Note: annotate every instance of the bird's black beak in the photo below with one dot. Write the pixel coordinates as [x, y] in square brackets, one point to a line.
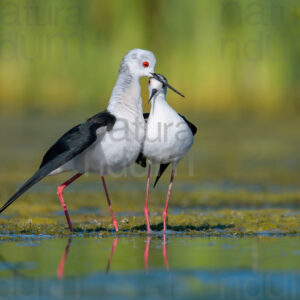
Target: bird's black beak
[154, 91]
[166, 84]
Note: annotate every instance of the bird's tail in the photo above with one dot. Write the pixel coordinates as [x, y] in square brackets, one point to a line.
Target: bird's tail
[162, 168]
[38, 176]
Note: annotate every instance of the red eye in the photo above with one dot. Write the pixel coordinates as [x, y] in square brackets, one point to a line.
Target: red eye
[145, 64]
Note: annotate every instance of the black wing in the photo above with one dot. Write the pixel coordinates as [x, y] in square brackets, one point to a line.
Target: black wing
[162, 168]
[141, 160]
[190, 124]
[146, 116]
[68, 146]
[79, 137]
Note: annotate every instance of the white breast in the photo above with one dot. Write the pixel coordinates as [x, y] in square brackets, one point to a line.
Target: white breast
[168, 137]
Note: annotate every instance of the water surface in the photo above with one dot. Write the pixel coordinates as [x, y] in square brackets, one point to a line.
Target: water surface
[160, 266]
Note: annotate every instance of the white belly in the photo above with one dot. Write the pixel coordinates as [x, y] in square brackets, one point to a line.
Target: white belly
[167, 142]
[118, 149]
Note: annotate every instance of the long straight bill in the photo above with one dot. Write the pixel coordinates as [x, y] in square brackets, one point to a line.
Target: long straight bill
[166, 84]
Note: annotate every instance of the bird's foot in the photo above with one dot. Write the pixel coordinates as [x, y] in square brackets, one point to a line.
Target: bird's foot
[115, 223]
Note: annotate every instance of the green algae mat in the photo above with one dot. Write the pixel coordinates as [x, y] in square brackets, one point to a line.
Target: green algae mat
[241, 177]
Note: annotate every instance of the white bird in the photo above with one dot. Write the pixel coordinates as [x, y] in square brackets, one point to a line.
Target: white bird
[107, 142]
[169, 136]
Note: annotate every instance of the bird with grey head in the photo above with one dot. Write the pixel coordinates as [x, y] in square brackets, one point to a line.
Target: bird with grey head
[95, 146]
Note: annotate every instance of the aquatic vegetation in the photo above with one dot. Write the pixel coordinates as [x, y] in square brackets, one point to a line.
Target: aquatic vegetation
[216, 223]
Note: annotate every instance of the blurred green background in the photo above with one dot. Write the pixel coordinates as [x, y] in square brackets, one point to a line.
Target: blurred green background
[226, 56]
[236, 61]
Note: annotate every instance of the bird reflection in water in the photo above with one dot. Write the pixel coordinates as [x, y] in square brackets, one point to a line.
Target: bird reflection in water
[166, 261]
[146, 253]
[113, 247]
[61, 265]
[165, 253]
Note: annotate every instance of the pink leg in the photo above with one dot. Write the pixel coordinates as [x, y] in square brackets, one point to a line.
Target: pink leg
[146, 212]
[165, 253]
[60, 190]
[115, 223]
[146, 253]
[61, 266]
[165, 213]
[114, 245]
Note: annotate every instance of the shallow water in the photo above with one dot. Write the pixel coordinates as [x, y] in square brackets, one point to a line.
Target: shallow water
[169, 267]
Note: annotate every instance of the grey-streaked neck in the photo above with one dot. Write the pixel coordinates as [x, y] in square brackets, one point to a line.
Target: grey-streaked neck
[157, 99]
[126, 93]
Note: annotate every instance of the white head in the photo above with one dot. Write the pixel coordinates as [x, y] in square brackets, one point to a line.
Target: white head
[138, 63]
[157, 85]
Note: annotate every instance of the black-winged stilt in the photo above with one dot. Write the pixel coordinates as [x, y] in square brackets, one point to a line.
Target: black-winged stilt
[106, 142]
[169, 137]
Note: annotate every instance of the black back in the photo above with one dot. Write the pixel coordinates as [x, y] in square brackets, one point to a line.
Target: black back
[72, 143]
[79, 137]
[190, 124]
